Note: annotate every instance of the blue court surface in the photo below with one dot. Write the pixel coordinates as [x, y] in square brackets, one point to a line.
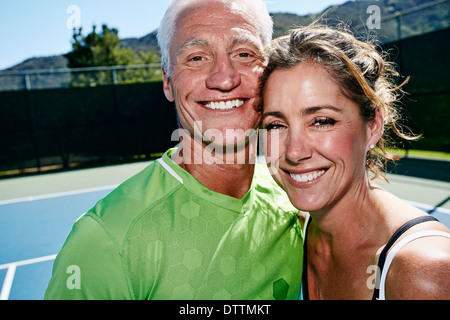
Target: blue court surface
[34, 228]
[31, 233]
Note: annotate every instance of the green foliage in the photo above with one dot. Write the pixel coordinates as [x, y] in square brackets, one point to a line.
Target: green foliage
[98, 49]
[103, 49]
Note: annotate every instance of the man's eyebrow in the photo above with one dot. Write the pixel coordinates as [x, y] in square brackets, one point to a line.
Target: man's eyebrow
[240, 39]
[246, 39]
[185, 45]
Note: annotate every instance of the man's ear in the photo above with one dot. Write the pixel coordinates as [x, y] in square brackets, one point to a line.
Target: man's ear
[375, 129]
[167, 86]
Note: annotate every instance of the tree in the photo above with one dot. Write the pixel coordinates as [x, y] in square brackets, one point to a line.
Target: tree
[96, 50]
[103, 49]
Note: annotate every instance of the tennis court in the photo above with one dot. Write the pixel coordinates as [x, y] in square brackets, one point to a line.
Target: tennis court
[37, 213]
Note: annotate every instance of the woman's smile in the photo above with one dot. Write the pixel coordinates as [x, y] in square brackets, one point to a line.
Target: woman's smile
[307, 177]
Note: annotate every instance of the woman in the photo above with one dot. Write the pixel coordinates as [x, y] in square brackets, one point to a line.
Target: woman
[329, 100]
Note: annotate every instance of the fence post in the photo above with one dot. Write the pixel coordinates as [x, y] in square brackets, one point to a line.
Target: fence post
[32, 121]
[114, 76]
[117, 131]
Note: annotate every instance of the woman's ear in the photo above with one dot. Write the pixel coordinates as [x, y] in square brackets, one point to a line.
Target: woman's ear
[167, 86]
[375, 129]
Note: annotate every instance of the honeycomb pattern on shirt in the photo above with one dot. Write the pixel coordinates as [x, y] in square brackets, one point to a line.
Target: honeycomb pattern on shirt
[209, 252]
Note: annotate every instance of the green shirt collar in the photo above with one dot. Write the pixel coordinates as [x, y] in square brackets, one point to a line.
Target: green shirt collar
[189, 182]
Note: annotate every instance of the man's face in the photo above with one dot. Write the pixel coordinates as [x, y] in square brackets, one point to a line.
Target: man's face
[217, 59]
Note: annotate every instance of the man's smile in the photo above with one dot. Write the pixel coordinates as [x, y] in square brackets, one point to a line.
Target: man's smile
[223, 105]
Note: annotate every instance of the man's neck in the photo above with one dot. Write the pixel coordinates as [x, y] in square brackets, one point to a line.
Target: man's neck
[226, 179]
[227, 173]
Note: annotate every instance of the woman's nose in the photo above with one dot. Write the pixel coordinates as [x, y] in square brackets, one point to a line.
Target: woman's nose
[298, 147]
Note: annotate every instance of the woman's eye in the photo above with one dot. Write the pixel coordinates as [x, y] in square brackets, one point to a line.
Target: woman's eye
[324, 122]
[273, 126]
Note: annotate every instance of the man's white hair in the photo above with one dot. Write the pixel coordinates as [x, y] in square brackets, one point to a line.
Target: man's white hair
[254, 8]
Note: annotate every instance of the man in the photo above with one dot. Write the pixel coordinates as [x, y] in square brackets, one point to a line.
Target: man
[202, 222]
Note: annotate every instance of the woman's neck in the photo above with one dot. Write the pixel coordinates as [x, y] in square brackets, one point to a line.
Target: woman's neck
[353, 220]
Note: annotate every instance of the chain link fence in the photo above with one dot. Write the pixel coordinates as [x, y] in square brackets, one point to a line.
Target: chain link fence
[79, 77]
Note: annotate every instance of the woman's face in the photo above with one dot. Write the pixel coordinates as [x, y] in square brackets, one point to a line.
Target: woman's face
[323, 139]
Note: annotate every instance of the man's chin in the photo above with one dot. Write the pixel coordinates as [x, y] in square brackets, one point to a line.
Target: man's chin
[229, 138]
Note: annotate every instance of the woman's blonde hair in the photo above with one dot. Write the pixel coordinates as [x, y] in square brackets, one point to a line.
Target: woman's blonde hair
[362, 72]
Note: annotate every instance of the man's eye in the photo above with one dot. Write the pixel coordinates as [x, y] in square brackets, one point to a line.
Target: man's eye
[245, 56]
[196, 58]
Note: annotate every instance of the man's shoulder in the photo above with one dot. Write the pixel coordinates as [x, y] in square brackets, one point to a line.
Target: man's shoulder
[119, 210]
[267, 189]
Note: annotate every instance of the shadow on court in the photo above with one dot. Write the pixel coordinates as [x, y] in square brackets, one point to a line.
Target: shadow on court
[422, 168]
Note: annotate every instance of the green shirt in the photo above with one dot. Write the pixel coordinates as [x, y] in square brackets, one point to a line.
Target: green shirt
[163, 235]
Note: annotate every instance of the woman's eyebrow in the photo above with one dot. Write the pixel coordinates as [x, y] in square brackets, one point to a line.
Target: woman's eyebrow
[276, 114]
[315, 109]
[307, 111]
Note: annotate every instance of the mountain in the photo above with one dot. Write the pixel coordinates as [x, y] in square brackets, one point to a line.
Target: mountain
[146, 43]
[417, 17]
[52, 62]
[427, 18]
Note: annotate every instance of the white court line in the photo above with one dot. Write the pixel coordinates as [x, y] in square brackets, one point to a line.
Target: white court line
[56, 195]
[11, 271]
[7, 284]
[27, 262]
[428, 207]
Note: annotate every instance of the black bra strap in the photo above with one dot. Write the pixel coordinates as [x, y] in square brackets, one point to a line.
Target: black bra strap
[395, 236]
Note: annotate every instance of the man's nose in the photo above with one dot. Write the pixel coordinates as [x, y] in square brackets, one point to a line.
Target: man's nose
[223, 76]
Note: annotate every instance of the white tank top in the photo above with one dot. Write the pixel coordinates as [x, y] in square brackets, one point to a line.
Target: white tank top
[386, 256]
[390, 256]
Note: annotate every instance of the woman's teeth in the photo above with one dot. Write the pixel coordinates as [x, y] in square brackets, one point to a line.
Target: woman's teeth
[225, 105]
[307, 177]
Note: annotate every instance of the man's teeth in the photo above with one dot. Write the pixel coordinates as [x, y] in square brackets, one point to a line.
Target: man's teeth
[307, 176]
[224, 105]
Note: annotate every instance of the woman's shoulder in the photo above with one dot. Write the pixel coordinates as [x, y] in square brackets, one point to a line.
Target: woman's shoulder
[396, 212]
[421, 267]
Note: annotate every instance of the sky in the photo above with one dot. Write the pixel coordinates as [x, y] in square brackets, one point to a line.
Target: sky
[36, 28]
